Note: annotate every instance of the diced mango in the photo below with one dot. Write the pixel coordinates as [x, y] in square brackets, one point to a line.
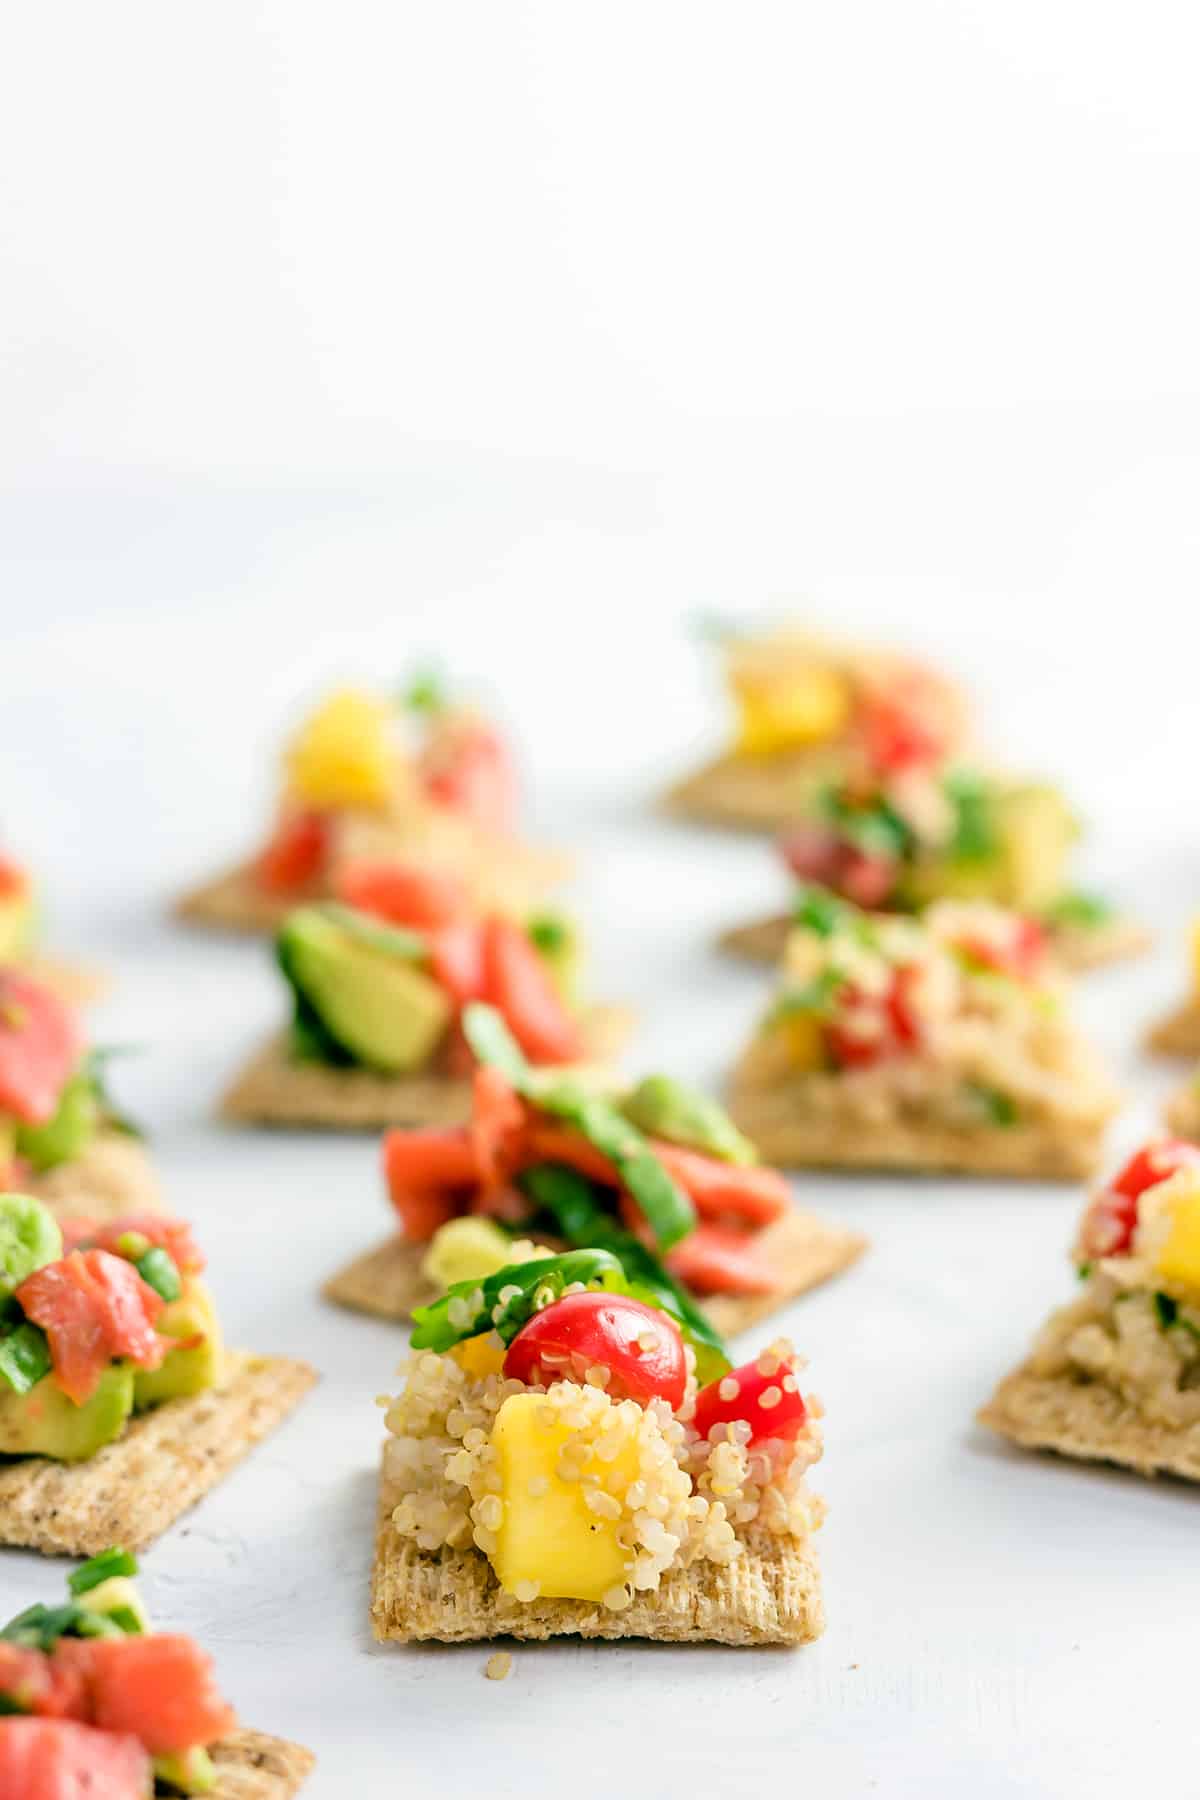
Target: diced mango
[789, 708]
[1179, 1258]
[804, 1036]
[1195, 943]
[550, 1535]
[480, 1356]
[343, 755]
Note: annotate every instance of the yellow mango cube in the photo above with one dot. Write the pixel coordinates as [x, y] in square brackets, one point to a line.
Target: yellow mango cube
[550, 1536]
[805, 1039]
[789, 708]
[1179, 1258]
[480, 1356]
[343, 755]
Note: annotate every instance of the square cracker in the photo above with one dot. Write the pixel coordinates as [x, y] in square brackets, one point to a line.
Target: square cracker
[1089, 1420]
[1077, 948]
[756, 793]
[252, 1766]
[236, 901]
[770, 1595]
[1183, 1112]
[113, 1176]
[804, 1248]
[1179, 1033]
[167, 1460]
[274, 1090]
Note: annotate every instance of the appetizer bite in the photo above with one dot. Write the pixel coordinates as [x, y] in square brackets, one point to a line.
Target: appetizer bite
[897, 843]
[567, 1456]
[938, 1043]
[656, 1175]
[1115, 1376]
[807, 710]
[119, 1405]
[61, 1138]
[19, 939]
[378, 996]
[96, 1702]
[387, 781]
[1179, 1033]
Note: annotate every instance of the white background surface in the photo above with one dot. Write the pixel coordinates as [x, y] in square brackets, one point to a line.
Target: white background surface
[331, 337]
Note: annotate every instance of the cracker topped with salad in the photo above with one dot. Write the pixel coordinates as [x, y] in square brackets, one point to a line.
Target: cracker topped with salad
[378, 990]
[368, 778]
[61, 1137]
[567, 1456]
[897, 841]
[807, 709]
[95, 1702]
[119, 1404]
[921, 1044]
[655, 1174]
[20, 939]
[1114, 1376]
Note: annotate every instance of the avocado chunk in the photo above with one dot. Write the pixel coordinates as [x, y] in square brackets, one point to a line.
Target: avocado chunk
[1037, 829]
[669, 1109]
[44, 1422]
[378, 1007]
[118, 1599]
[29, 1239]
[65, 1136]
[189, 1371]
[187, 1771]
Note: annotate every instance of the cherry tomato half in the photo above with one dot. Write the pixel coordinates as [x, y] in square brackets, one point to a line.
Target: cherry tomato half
[767, 1397]
[640, 1347]
[1112, 1217]
[296, 853]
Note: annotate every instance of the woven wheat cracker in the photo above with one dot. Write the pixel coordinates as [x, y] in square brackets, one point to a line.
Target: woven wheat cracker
[1089, 1420]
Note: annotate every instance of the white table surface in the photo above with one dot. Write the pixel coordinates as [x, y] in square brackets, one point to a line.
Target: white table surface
[998, 1623]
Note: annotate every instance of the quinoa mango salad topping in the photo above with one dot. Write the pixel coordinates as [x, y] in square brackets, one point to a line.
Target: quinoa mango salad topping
[1115, 1374]
[571, 1443]
[955, 1020]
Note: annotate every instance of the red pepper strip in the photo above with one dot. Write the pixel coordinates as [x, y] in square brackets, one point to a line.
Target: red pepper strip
[712, 1259]
[430, 1174]
[721, 1190]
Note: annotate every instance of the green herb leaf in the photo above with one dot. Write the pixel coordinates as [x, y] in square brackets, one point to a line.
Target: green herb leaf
[24, 1356]
[819, 911]
[1167, 1310]
[974, 838]
[493, 1043]
[1079, 908]
[537, 1284]
[997, 1107]
[158, 1270]
[548, 932]
[425, 692]
[374, 934]
[100, 1568]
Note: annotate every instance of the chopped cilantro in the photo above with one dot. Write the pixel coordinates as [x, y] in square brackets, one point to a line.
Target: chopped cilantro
[974, 838]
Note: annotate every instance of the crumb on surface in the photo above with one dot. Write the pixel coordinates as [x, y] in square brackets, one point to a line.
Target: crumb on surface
[498, 1666]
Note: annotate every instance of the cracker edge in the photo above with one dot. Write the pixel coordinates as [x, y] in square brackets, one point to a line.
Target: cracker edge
[273, 1090]
[1179, 1033]
[120, 1496]
[252, 1765]
[387, 1283]
[114, 1175]
[1076, 951]
[1090, 1422]
[460, 1583]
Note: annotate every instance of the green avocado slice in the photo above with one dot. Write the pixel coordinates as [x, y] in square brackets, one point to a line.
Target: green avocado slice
[376, 1007]
[190, 1371]
[44, 1422]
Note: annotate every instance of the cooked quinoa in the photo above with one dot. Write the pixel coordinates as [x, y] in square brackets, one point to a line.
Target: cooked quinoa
[690, 1500]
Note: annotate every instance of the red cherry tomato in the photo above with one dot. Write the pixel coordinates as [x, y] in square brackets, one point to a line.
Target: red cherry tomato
[767, 1397]
[1021, 954]
[1112, 1217]
[895, 1026]
[39, 1047]
[518, 984]
[865, 879]
[813, 852]
[640, 1347]
[296, 854]
[402, 894]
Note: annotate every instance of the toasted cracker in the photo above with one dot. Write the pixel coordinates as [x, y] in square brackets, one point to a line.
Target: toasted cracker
[274, 1090]
[168, 1458]
[1179, 1033]
[802, 1248]
[756, 793]
[770, 1595]
[1183, 1112]
[236, 901]
[114, 1175]
[1076, 947]
[252, 1766]
[1089, 1420]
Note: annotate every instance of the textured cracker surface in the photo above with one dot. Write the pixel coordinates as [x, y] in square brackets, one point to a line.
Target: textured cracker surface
[167, 1460]
[803, 1248]
[1076, 948]
[771, 1595]
[113, 1176]
[234, 901]
[755, 793]
[1066, 1150]
[1183, 1113]
[273, 1090]
[252, 1766]
[1089, 1420]
[1179, 1033]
